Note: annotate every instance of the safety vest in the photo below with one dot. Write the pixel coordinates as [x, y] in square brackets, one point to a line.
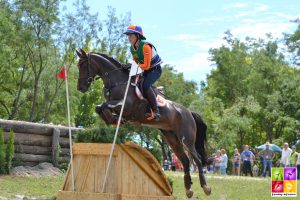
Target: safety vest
[138, 54]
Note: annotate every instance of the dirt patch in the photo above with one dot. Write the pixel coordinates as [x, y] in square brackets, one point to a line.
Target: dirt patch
[42, 169]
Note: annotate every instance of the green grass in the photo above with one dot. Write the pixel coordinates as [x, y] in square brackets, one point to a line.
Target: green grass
[43, 187]
[223, 187]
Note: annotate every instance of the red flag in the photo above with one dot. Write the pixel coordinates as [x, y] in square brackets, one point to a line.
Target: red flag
[62, 74]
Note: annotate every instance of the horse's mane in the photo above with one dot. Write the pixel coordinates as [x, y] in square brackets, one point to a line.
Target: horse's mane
[111, 59]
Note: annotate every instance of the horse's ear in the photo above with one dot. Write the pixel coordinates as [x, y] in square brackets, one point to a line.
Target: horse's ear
[83, 54]
[79, 53]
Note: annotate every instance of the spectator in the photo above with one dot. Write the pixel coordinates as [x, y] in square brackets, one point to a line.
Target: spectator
[236, 162]
[247, 158]
[174, 160]
[261, 164]
[176, 163]
[285, 155]
[293, 157]
[210, 169]
[166, 165]
[224, 161]
[217, 162]
[268, 156]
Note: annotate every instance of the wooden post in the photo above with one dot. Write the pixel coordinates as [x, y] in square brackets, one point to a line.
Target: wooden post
[55, 146]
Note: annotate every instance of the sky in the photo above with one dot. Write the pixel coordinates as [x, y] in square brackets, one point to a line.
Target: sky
[184, 31]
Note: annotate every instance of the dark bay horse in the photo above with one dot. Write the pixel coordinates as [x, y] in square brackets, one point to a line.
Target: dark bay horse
[183, 130]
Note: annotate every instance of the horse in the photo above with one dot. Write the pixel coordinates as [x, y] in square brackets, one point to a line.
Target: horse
[182, 129]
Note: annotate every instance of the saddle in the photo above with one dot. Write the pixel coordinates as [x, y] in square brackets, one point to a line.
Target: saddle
[160, 96]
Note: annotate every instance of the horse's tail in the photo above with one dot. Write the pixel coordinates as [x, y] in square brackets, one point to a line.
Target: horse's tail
[200, 137]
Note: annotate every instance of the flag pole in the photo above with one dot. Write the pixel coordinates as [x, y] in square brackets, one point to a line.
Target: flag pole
[70, 133]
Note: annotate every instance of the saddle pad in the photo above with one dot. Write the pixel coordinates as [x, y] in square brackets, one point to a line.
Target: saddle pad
[161, 101]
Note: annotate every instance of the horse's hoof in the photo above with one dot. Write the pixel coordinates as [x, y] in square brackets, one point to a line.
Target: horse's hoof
[207, 190]
[189, 193]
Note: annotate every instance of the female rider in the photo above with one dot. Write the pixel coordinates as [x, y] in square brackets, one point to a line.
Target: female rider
[144, 54]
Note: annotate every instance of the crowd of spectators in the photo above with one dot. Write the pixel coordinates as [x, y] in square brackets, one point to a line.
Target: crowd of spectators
[254, 162]
[246, 162]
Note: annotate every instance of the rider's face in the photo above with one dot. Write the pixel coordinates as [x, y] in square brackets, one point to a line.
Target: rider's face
[132, 38]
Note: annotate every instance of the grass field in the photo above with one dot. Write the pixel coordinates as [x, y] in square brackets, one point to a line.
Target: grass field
[223, 187]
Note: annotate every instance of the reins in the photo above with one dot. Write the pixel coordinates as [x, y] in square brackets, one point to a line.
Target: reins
[89, 78]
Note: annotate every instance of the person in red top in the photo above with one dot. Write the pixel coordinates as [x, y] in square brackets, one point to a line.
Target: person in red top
[144, 54]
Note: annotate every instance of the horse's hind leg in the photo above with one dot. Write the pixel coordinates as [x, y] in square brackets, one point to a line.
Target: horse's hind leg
[178, 149]
[197, 159]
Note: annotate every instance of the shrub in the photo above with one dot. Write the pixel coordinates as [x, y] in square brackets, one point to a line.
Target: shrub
[97, 135]
[2, 153]
[63, 166]
[10, 151]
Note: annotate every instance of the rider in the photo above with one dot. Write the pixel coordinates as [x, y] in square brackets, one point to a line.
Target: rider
[144, 54]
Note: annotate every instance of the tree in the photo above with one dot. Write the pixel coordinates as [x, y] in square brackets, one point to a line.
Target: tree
[176, 88]
[256, 86]
[14, 73]
[39, 17]
[292, 41]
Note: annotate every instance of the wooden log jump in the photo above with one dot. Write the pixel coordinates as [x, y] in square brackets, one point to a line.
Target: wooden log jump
[134, 175]
[36, 143]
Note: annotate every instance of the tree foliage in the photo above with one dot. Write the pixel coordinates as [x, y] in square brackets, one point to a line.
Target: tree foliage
[252, 95]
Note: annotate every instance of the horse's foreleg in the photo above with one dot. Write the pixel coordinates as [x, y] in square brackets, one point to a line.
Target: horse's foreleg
[105, 113]
[177, 147]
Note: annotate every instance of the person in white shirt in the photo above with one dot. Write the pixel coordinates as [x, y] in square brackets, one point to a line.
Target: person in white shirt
[285, 155]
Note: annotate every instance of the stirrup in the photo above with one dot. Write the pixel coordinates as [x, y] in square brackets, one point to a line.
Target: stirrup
[157, 115]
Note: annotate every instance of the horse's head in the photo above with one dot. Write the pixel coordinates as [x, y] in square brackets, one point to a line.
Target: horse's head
[86, 72]
[101, 65]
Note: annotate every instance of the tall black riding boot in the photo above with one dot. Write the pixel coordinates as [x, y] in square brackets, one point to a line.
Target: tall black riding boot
[152, 101]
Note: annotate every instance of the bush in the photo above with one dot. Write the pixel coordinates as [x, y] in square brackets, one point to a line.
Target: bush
[2, 153]
[10, 151]
[63, 166]
[97, 135]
